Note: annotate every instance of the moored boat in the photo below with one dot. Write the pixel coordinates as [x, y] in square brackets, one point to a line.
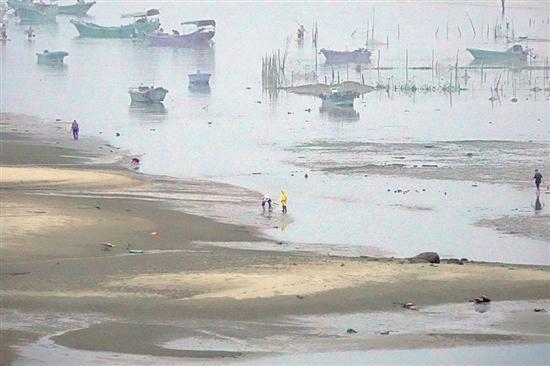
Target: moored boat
[358, 56]
[338, 98]
[51, 58]
[202, 34]
[199, 78]
[138, 29]
[514, 53]
[80, 8]
[34, 13]
[147, 94]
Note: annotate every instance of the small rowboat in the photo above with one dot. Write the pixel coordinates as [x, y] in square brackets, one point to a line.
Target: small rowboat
[80, 8]
[146, 94]
[359, 56]
[337, 98]
[51, 58]
[199, 78]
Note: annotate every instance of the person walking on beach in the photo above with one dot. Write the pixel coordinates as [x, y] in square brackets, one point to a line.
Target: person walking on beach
[75, 128]
[284, 199]
[538, 179]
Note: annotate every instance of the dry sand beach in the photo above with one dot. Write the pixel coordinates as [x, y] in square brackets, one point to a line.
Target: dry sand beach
[60, 200]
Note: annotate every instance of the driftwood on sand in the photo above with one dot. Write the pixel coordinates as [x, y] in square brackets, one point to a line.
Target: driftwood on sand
[317, 89]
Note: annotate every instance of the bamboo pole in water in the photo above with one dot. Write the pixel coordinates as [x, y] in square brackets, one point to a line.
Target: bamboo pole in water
[372, 33]
[433, 56]
[456, 71]
[378, 65]
[472, 24]
[481, 74]
[398, 32]
[407, 65]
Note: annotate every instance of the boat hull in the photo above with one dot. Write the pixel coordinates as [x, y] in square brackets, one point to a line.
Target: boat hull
[199, 79]
[75, 9]
[343, 57]
[51, 58]
[137, 29]
[195, 39]
[34, 14]
[155, 95]
[484, 55]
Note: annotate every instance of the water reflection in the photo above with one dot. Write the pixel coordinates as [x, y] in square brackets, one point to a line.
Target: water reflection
[147, 109]
[199, 88]
[338, 113]
[538, 204]
[515, 65]
[198, 58]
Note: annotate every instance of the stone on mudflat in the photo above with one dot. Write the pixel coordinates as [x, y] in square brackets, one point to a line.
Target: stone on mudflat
[430, 257]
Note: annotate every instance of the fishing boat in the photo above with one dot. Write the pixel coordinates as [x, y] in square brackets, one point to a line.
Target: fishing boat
[358, 56]
[51, 58]
[80, 8]
[147, 94]
[138, 29]
[201, 34]
[514, 53]
[199, 78]
[34, 13]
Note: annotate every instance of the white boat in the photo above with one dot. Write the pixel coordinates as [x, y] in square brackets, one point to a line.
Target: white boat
[147, 94]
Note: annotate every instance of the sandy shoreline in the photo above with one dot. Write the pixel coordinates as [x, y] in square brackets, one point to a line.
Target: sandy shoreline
[60, 203]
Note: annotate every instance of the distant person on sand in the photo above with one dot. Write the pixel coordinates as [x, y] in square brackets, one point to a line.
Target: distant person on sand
[75, 128]
[266, 201]
[301, 32]
[284, 200]
[538, 179]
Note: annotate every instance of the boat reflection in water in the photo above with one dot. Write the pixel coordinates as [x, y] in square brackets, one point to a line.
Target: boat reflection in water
[147, 108]
[338, 113]
[200, 88]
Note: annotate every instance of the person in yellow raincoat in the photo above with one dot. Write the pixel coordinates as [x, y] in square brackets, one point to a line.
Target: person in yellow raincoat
[284, 199]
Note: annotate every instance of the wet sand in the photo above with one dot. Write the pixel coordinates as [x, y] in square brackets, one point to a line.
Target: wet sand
[63, 199]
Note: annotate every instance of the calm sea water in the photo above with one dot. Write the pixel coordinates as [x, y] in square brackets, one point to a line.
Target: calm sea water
[226, 134]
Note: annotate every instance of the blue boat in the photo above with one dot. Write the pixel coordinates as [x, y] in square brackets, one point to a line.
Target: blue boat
[138, 29]
[51, 58]
[515, 53]
[34, 13]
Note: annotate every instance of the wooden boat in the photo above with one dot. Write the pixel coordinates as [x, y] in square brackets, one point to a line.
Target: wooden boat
[515, 53]
[80, 8]
[51, 58]
[359, 56]
[34, 13]
[199, 78]
[338, 98]
[138, 29]
[202, 34]
[147, 94]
